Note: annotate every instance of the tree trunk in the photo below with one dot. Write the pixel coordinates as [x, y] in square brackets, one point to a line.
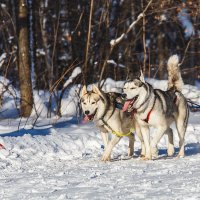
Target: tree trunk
[23, 59]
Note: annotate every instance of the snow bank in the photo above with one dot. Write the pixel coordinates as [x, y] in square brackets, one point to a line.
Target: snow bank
[189, 91]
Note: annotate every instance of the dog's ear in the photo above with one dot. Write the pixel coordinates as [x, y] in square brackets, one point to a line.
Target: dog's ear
[96, 90]
[142, 76]
[84, 90]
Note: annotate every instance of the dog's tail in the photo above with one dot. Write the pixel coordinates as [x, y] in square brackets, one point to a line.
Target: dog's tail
[174, 75]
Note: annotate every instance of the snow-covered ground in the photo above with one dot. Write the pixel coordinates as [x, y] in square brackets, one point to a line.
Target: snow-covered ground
[60, 159]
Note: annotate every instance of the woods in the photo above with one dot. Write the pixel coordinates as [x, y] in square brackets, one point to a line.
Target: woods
[42, 42]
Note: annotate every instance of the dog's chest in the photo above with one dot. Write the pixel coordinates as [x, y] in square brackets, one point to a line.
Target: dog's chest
[101, 126]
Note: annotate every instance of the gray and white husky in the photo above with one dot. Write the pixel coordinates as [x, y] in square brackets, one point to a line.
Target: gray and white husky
[101, 109]
[157, 108]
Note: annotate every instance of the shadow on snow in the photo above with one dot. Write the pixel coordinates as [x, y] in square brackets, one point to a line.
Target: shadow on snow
[41, 129]
[32, 132]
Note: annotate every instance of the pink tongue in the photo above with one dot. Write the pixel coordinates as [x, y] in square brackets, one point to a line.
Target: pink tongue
[85, 119]
[125, 107]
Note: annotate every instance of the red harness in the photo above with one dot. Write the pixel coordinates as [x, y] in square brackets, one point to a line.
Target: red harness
[148, 116]
[149, 113]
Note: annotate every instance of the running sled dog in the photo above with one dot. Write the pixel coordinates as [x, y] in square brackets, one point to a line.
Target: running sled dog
[157, 108]
[101, 108]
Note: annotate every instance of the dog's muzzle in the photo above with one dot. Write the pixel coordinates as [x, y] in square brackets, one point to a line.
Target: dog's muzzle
[89, 117]
[129, 104]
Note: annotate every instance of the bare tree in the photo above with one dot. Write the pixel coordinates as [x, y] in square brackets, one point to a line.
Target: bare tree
[23, 61]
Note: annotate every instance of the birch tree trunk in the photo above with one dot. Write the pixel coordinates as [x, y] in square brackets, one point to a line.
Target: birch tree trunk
[24, 70]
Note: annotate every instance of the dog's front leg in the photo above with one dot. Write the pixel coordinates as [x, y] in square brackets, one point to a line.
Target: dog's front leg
[146, 138]
[105, 138]
[139, 134]
[156, 138]
[131, 144]
[107, 153]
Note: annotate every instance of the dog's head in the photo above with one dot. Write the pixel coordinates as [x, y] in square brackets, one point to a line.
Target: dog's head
[132, 91]
[90, 102]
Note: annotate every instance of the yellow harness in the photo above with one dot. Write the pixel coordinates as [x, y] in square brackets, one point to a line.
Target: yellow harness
[121, 134]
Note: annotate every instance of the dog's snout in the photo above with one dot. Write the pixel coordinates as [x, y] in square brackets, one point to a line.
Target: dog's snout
[124, 95]
[87, 112]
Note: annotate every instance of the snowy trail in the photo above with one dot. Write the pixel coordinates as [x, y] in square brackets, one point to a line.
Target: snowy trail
[91, 179]
[61, 161]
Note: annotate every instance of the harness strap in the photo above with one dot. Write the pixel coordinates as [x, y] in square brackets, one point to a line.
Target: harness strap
[175, 99]
[133, 112]
[121, 134]
[148, 116]
[149, 113]
[115, 132]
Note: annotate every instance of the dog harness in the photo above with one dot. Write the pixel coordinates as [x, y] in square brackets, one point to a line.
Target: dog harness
[149, 113]
[115, 132]
[121, 134]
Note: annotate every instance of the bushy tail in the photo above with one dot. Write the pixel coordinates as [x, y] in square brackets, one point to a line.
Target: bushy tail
[174, 76]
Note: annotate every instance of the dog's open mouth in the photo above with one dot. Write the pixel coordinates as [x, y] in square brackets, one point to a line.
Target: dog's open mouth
[129, 104]
[89, 117]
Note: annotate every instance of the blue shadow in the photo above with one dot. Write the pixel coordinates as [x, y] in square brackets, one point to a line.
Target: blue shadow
[190, 149]
[32, 132]
[40, 130]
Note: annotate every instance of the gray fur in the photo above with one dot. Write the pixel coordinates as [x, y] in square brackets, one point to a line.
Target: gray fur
[159, 109]
[100, 107]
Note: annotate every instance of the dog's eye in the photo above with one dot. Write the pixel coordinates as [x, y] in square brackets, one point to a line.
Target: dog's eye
[93, 102]
[132, 88]
[84, 103]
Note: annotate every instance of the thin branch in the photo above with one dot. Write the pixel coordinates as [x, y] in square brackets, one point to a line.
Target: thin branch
[186, 49]
[123, 35]
[79, 21]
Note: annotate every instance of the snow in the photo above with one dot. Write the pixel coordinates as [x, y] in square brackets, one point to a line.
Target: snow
[2, 59]
[115, 64]
[60, 159]
[74, 74]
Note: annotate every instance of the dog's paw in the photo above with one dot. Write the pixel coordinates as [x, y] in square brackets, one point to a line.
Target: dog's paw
[180, 156]
[141, 156]
[170, 152]
[154, 152]
[145, 158]
[106, 157]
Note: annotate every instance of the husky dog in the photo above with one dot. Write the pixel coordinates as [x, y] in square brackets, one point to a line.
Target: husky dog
[157, 108]
[101, 109]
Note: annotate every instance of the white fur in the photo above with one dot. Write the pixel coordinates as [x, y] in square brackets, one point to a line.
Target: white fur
[174, 75]
[95, 105]
[158, 118]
